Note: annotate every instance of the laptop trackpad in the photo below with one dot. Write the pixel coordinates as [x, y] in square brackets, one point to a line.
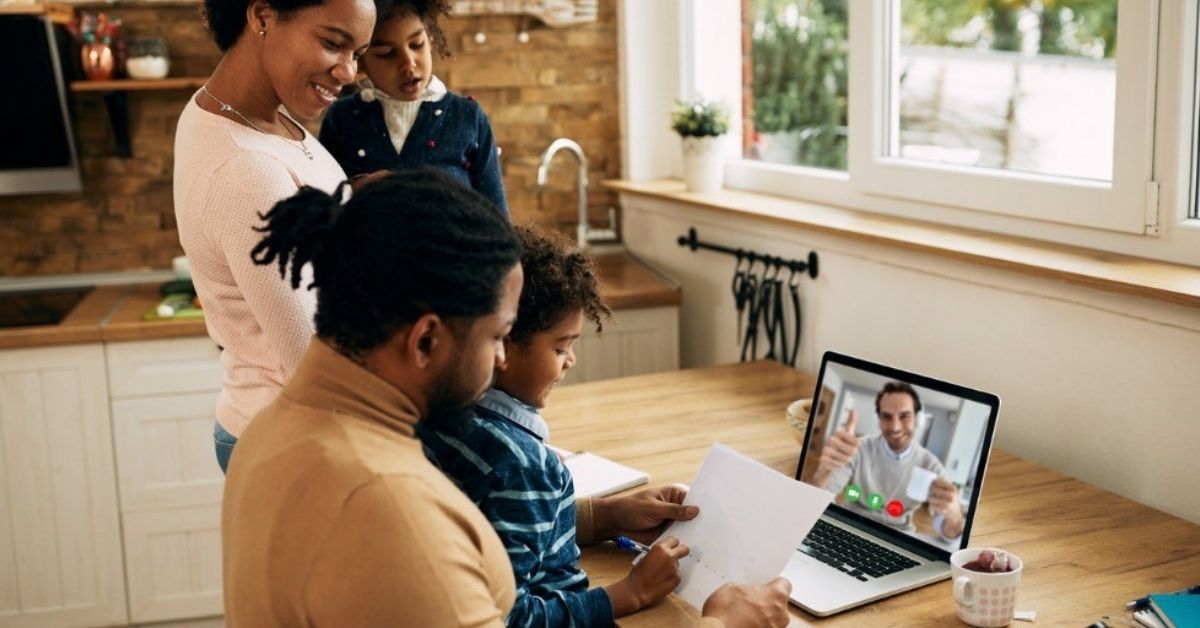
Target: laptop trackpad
[821, 589]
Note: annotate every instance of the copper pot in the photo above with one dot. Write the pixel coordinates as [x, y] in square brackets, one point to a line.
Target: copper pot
[98, 61]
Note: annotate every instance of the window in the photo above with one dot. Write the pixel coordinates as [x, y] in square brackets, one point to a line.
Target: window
[797, 82]
[1193, 212]
[1011, 87]
[1040, 109]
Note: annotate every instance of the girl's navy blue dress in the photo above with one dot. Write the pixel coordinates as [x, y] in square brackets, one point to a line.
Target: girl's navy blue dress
[452, 133]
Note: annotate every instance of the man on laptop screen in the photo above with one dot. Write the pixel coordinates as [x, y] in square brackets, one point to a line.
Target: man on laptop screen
[886, 463]
[905, 455]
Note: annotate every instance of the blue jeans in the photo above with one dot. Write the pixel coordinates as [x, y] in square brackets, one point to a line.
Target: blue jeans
[224, 443]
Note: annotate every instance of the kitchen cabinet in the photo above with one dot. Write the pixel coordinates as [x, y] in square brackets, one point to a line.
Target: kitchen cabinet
[635, 342]
[163, 393]
[110, 495]
[60, 543]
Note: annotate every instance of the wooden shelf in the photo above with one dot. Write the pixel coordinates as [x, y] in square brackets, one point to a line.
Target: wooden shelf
[116, 99]
[58, 13]
[134, 85]
[553, 13]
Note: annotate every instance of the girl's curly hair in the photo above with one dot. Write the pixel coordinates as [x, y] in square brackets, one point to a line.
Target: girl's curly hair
[430, 11]
[558, 280]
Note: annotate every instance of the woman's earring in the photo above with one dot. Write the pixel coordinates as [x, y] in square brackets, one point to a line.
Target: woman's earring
[262, 33]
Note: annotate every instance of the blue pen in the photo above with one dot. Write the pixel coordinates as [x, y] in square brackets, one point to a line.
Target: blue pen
[1144, 602]
[631, 545]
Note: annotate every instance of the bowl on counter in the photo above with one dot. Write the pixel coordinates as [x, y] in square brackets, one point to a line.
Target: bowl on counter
[797, 418]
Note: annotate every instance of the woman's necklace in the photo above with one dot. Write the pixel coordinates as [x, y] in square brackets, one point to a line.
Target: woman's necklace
[225, 107]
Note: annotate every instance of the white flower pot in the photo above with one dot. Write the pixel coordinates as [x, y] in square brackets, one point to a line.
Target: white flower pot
[703, 164]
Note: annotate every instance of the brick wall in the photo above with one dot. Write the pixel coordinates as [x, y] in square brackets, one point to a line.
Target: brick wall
[563, 82]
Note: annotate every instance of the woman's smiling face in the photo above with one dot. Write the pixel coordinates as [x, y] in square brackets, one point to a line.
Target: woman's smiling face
[400, 58]
[311, 54]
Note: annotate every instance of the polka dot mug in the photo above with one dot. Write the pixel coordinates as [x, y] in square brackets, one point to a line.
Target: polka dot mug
[984, 599]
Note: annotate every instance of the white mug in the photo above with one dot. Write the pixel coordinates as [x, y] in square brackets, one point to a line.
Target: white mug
[981, 598]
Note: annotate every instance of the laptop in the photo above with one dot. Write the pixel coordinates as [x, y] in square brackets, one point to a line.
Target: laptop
[891, 527]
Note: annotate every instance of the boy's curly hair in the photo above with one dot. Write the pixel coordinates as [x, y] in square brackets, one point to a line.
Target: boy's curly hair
[430, 11]
[558, 280]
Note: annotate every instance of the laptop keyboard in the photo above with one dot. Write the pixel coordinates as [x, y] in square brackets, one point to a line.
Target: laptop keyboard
[852, 554]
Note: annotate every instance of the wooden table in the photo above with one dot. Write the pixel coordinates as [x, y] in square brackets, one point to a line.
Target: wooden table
[1086, 551]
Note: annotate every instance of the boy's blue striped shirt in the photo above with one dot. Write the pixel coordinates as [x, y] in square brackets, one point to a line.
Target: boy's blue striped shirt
[503, 465]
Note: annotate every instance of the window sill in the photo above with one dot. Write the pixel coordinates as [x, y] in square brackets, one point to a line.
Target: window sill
[1150, 279]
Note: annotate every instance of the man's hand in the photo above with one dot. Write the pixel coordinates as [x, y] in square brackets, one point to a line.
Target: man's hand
[745, 606]
[838, 451]
[943, 498]
[641, 516]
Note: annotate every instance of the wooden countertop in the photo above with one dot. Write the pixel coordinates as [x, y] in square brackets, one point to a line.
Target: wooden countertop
[627, 284]
[1086, 551]
[114, 313]
[125, 322]
[82, 325]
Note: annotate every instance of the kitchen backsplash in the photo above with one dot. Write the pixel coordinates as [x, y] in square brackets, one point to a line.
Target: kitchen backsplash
[562, 82]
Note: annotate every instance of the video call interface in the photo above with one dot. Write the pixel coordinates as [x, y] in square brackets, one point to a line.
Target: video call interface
[902, 455]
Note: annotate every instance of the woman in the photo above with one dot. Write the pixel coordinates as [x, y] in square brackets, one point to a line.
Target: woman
[237, 153]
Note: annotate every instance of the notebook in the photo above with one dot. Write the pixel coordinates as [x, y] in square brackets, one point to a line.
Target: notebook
[1177, 611]
[597, 476]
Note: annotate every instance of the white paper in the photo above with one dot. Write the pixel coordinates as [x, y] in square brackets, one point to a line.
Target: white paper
[919, 483]
[752, 518]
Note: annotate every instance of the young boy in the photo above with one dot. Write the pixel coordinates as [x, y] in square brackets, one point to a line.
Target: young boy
[503, 465]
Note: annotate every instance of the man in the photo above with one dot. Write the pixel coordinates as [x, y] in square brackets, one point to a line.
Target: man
[332, 515]
[879, 467]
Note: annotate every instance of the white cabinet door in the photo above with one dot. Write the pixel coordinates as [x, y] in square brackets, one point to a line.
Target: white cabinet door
[60, 547]
[164, 399]
[151, 367]
[174, 562]
[165, 453]
[635, 342]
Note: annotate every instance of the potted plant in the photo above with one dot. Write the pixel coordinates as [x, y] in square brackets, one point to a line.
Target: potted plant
[701, 124]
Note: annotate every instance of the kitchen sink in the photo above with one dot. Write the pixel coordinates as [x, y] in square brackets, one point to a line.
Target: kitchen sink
[28, 308]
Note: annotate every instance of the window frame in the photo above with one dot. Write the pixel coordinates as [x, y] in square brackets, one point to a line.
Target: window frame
[675, 53]
[1120, 206]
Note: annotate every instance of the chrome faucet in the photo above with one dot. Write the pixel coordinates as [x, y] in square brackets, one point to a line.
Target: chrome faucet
[584, 233]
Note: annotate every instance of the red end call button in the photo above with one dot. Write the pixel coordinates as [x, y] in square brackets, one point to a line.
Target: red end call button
[895, 508]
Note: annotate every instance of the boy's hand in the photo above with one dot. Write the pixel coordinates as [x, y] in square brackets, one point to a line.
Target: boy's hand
[644, 515]
[652, 579]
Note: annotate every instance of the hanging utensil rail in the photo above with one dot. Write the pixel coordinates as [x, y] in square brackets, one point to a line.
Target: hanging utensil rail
[810, 266]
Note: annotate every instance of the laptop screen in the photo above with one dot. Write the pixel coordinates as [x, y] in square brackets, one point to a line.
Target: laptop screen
[903, 454]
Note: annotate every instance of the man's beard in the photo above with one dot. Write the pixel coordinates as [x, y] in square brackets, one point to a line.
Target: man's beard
[451, 403]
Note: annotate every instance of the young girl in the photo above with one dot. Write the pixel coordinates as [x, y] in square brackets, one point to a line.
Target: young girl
[503, 464]
[404, 116]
